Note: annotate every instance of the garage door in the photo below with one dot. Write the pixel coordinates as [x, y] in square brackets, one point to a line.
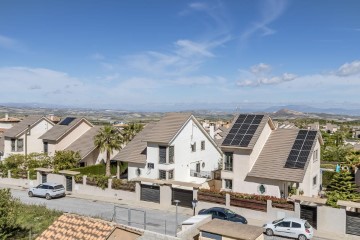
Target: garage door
[68, 183]
[309, 213]
[353, 223]
[184, 196]
[150, 193]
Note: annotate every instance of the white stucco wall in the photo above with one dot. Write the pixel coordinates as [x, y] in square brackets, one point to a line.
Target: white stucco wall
[34, 144]
[312, 170]
[184, 158]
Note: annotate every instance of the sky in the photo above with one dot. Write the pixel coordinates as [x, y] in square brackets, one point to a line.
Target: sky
[159, 54]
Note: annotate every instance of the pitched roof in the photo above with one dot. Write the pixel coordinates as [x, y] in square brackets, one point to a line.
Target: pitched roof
[271, 162]
[266, 119]
[85, 143]
[232, 229]
[20, 127]
[59, 130]
[168, 126]
[71, 226]
[135, 150]
[9, 119]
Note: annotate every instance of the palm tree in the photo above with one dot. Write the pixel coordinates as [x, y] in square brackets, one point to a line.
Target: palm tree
[108, 139]
[131, 130]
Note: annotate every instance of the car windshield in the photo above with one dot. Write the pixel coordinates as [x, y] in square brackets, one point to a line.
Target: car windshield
[59, 186]
[277, 221]
[229, 212]
[307, 225]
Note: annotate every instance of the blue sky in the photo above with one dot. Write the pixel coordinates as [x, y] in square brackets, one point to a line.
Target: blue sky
[151, 54]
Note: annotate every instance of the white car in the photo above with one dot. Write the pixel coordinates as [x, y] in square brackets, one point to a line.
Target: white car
[47, 190]
[290, 227]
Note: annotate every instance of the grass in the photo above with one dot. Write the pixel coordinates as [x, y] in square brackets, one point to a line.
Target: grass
[34, 218]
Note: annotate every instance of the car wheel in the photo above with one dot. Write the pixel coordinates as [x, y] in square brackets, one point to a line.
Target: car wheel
[302, 237]
[269, 232]
[47, 196]
[30, 194]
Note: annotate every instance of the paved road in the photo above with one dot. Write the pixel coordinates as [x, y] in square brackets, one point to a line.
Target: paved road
[156, 220]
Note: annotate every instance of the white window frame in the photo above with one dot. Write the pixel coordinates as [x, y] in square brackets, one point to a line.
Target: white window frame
[316, 155]
[225, 185]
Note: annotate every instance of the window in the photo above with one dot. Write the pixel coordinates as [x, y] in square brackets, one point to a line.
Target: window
[198, 167]
[193, 147]
[13, 145]
[171, 174]
[316, 155]
[283, 224]
[221, 215]
[228, 161]
[228, 184]
[20, 145]
[202, 145]
[295, 225]
[150, 165]
[162, 154]
[315, 180]
[171, 154]
[46, 147]
[162, 174]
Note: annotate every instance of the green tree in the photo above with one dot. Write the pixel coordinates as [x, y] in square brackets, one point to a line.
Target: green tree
[131, 130]
[66, 160]
[342, 187]
[353, 159]
[107, 140]
[8, 213]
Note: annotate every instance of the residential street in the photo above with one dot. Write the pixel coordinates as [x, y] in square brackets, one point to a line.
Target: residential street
[155, 219]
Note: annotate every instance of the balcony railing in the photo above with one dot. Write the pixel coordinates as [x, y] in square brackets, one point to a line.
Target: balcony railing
[201, 174]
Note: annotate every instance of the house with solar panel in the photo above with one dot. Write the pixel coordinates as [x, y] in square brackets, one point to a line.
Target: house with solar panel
[176, 148]
[23, 137]
[75, 134]
[261, 159]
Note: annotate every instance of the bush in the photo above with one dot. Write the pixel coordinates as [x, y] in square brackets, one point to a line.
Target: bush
[8, 213]
[32, 174]
[78, 178]
[326, 177]
[100, 181]
[64, 160]
[122, 185]
[19, 173]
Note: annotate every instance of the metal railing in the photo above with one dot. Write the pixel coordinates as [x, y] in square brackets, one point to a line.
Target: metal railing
[202, 174]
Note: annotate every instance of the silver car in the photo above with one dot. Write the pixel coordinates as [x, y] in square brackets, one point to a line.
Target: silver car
[47, 190]
[290, 227]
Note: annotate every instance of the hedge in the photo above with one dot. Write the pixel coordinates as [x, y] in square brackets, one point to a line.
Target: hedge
[98, 169]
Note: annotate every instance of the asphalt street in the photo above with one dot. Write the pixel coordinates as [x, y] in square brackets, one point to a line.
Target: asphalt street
[156, 220]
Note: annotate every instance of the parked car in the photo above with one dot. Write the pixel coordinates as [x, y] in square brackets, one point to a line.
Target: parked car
[47, 190]
[224, 214]
[290, 227]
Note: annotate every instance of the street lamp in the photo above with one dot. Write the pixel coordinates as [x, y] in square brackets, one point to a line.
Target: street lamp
[176, 220]
[194, 202]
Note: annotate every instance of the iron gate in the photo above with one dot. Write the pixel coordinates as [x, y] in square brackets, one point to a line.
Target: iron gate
[43, 178]
[353, 223]
[150, 193]
[184, 196]
[68, 183]
[309, 213]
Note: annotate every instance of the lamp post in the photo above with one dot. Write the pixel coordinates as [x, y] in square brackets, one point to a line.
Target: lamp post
[194, 203]
[176, 219]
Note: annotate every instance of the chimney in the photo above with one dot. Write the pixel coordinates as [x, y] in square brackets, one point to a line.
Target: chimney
[212, 131]
[6, 116]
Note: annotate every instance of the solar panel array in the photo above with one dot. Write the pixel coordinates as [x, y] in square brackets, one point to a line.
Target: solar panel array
[243, 130]
[301, 149]
[67, 121]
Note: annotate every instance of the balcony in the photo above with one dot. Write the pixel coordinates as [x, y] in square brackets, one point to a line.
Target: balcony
[201, 174]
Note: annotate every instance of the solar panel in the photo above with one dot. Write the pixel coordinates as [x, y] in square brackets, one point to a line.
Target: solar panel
[67, 121]
[301, 149]
[242, 131]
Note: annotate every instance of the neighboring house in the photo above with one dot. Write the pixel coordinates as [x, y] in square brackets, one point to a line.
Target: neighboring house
[259, 159]
[8, 122]
[23, 137]
[175, 148]
[330, 128]
[225, 230]
[76, 134]
[314, 126]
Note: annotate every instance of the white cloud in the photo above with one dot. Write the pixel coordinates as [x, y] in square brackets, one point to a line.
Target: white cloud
[260, 74]
[10, 43]
[97, 56]
[348, 69]
[187, 48]
[270, 10]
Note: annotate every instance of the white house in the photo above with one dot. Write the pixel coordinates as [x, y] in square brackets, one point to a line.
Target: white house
[175, 148]
[23, 137]
[259, 159]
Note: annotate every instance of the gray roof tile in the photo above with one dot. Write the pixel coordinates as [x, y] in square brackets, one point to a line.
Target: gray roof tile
[20, 127]
[85, 143]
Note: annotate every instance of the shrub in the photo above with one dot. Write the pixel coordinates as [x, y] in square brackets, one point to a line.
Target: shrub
[64, 160]
[32, 174]
[98, 169]
[78, 178]
[326, 177]
[19, 173]
[122, 185]
[100, 181]
[213, 192]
